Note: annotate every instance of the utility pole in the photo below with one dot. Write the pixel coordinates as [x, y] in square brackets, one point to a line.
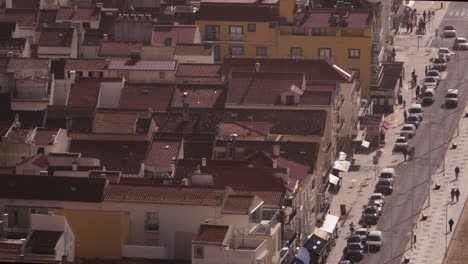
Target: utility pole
[429, 168]
[446, 231]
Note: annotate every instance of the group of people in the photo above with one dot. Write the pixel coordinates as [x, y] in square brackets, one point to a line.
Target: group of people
[455, 193]
[410, 20]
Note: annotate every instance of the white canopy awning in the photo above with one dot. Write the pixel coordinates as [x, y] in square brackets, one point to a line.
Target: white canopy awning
[333, 179]
[342, 156]
[341, 165]
[330, 223]
[365, 144]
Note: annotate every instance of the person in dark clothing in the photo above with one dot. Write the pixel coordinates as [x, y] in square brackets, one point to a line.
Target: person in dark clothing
[405, 152]
[382, 137]
[452, 194]
[457, 194]
[451, 222]
[424, 15]
[425, 71]
[405, 115]
[457, 171]
[418, 90]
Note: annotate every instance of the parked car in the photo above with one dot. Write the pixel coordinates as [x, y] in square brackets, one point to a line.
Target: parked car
[446, 51]
[435, 74]
[354, 239]
[345, 262]
[378, 196]
[413, 119]
[416, 109]
[400, 144]
[375, 240]
[387, 173]
[428, 95]
[430, 81]
[449, 31]
[451, 98]
[409, 130]
[384, 186]
[460, 44]
[362, 232]
[370, 216]
[354, 251]
[439, 64]
[379, 206]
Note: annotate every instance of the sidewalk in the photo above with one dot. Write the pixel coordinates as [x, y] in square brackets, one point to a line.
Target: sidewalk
[357, 186]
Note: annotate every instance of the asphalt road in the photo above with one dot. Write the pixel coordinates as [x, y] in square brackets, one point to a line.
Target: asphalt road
[403, 207]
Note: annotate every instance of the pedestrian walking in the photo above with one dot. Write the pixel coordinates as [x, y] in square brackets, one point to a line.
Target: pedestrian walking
[457, 194]
[457, 171]
[429, 16]
[451, 222]
[424, 15]
[425, 71]
[404, 104]
[452, 194]
[405, 115]
[411, 28]
[405, 152]
[418, 90]
[351, 227]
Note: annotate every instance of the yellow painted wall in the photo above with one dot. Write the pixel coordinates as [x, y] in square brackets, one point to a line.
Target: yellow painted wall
[98, 234]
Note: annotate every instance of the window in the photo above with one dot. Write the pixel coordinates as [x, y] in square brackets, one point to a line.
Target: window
[290, 100]
[152, 221]
[296, 52]
[319, 32]
[86, 25]
[236, 33]
[251, 27]
[198, 252]
[217, 53]
[357, 73]
[162, 75]
[354, 53]
[236, 51]
[261, 52]
[90, 74]
[79, 74]
[212, 32]
[101, 74]
[324, 53]
[298, 31]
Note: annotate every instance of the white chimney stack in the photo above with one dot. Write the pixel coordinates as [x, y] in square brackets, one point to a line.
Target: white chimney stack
[257, 66]
[5, 221]
[203, 162]
[72, 76]
[173, 160]
[275, 163]
[276, 150]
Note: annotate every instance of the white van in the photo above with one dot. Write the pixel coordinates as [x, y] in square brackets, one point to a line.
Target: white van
[416, 109]
[428, 95]
[451, 99]
[375, 240]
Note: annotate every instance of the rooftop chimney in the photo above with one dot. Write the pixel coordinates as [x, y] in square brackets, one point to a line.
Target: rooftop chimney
[142, 169]
[203, 162]
[275, 163]
[173, 160]
[16, 122]
[72, 76]
[257, 66]
[276, 150]
[185, 182]
[5, 221]
[99, 5]
[231, 147]
[75, 9]
[105, 37]
[10, 54]
[74, 166]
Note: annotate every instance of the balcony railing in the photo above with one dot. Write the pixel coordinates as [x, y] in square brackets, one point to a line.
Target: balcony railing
[267, 222]
[236, 37]
[224, 37]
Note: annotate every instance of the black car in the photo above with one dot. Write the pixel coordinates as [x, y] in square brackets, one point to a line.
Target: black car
[413, 119]
[354, 251]
[384, 186]
[370, 216]
[354, 239]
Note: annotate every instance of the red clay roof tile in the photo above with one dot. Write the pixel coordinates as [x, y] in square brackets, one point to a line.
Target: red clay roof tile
[84, 92]
[271, 198]
[155, 96]
[199, 96]
[56, 37]
[171, 35]
[193, 49]
[161, 153]
[45, 136]
[198, 70]
[39, 160]
[23, 16]
[86, 64]
[245, 128]
[238, 204]
[143, 65]
[319, 18]
[28, 63]
[211, 234]
[119, 49]
[19, 135]
[82, 14]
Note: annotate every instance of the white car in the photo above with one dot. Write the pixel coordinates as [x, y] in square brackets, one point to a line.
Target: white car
[375, 240]
[428, 95]
[409, 130]
[377, 197]
[460, 44]
[451, 99]
[446, 51]
[400, 144]
[416, 109]
[435, 74]
[449, 31]
[429, 81]
[439, 64]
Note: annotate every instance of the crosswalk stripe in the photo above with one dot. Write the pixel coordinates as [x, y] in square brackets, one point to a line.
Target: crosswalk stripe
[462, 14]
[451, 13]
[456, 13]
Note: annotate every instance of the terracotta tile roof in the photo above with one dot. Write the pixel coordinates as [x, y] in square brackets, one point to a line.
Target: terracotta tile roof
[271, 198]
[193, 49]
[198, 70]
[44, 136]
[52, 188]
[314, 69]
[155, 96]
[170, 35]
[173, 123]
[143, 65]
[244, 128]
[261, 88]
[25, 4]
[84, 92]
[86, 64]
[40, 160]
[317, 98]
[116, 117]
[119, 49]
[125, 156]
[196, 145]
[264, 2]
[46, 16]
[28, 63]
[43, 242]
[213, 234]
[181, 195]
[161, 152]
[238, 204]
[4, 127]
[56, 37]
[11, 246]
[24, 17]
[82, 14]
[199, 96]
[319, 18]
[19, 135]
[247, 13]
[11, 44]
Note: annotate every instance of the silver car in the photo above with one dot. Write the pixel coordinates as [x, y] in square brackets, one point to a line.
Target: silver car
[409, 130]
[460, 44]
[446, 51]
[449, 31]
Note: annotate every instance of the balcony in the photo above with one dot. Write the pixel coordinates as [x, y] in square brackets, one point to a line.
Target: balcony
[289, 243]
[292, 216]
[236, 37]
[378, 37]
[143, 251]
[376, 75]
[264, 225]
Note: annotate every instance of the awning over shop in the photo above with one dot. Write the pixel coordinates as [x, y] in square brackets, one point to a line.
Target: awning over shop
[342, 156]
[341, 165]
[303, 256]
[365, 144]
[333, 179]
[329, 224]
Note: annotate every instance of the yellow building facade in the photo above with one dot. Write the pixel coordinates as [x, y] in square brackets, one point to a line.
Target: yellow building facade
[285, 33]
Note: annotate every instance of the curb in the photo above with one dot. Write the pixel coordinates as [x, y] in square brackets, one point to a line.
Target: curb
[452, 239]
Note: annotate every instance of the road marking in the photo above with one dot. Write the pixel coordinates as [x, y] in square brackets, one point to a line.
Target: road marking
[462, 14]
[451, 13]
[456, 13]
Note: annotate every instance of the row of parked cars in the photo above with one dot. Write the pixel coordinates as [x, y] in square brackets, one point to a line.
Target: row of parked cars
[408, 130]
[364, 238]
